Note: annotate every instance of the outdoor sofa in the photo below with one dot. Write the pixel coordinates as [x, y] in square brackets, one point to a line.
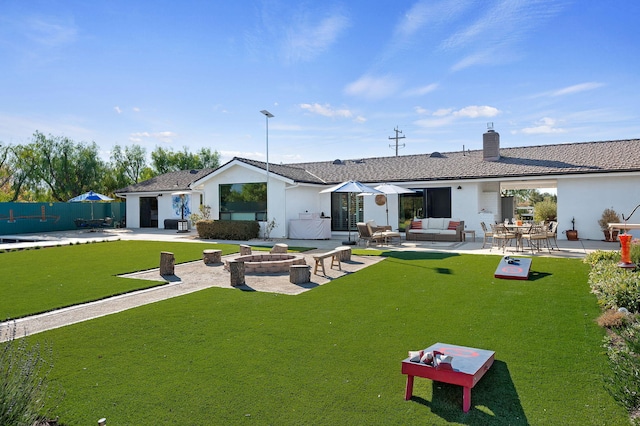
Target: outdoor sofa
[435, 229]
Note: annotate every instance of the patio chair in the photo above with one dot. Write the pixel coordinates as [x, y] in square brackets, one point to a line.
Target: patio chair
[367, 235]
[536, 237]
[376, 228]
[552, 235]
[487, 234]
[502, 237]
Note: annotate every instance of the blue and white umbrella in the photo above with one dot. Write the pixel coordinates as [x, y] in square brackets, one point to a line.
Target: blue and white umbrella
[90, 196]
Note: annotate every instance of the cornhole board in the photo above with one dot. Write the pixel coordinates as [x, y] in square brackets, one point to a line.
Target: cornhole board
[467, 368]
[513, 268]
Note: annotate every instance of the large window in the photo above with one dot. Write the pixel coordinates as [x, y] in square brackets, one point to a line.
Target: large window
[243, 201]
[425, 202]
[346, 210]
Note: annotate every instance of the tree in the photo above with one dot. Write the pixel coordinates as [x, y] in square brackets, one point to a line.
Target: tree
[545, 210]
[165, 161]
[60, 168]
[6, 172]
[126, 167]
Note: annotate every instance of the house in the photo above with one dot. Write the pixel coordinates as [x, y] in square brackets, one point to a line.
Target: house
[588, 177]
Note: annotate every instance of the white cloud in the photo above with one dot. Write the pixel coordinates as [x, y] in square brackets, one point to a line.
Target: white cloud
[442, 112]
[165, 136]
[373, 87]
[326, 110]
[307, 40]
[117, 109]
[435, 122]
[475, 111]
[492, 37]
[577, 88]
[49, 33]
[136, 109]
[545, 125]
[420, 91]
[446, 116]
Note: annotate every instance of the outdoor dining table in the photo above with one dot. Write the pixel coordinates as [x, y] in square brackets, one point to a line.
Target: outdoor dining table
[519, 230]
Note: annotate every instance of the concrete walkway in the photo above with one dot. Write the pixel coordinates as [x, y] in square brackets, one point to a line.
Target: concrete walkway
[188, 277]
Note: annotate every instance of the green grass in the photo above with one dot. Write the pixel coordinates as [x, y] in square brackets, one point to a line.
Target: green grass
[36, 281]
[332, 355]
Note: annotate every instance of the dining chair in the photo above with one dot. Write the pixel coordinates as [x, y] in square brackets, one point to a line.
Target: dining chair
[552, 234]
[502, 236]
[535, 238]
[487, 234]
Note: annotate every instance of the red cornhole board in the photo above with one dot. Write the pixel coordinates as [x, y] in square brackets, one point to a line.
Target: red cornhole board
[513, 268]
[467, 368]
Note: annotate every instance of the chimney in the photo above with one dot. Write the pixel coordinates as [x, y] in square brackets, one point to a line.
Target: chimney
[490, 144]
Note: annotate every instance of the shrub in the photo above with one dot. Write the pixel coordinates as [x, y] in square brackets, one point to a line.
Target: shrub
[612, 318]
[623, 383]
[228, 229]
[608, 216]
[545, 211]
[23, 381]
[615, 287]
[204, 214]
[602, 256]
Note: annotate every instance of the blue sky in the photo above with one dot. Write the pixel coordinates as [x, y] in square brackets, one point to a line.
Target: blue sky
[338, 76]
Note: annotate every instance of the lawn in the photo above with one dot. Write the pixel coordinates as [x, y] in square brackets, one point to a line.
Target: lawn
[332, 355]
[36, 281]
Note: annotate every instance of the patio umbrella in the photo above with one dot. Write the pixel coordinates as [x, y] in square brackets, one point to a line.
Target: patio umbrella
[388, 188]
[90, 196]
[355, 187]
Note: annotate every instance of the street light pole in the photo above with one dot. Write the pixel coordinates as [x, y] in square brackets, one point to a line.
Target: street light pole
[267, 115]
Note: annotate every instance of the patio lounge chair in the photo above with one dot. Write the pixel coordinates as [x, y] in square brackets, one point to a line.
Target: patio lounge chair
[376, 228]
[367, 235]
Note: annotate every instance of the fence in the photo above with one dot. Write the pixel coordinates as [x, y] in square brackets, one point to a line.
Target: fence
[23, 218]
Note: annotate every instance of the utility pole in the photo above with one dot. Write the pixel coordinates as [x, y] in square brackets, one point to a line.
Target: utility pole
[396, 138]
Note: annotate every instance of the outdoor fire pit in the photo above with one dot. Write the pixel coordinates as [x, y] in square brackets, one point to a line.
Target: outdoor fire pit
[268, 263]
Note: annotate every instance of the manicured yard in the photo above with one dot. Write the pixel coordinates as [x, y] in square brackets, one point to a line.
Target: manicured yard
[332, 355]
[36, 281]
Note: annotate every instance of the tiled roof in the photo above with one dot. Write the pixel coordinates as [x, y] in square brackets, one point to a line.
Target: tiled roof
[172, 181]
[531, 161]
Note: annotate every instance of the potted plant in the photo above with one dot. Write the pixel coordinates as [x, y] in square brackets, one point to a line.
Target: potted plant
[572, 234]
[609, 216]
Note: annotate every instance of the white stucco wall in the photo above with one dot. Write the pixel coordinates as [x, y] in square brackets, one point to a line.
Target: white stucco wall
[276, 195]
[133, 211]
[585, 198]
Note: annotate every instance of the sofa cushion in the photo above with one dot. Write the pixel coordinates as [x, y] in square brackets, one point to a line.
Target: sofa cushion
[416, 224]
[436, 223]
[453, 225]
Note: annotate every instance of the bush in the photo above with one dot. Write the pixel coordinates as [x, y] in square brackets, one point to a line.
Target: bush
[623, 384]
[614, 286]
[23, 384]
[608, 216]
[228, 229]
[617, 287]
[545, 211]
[602, 256]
